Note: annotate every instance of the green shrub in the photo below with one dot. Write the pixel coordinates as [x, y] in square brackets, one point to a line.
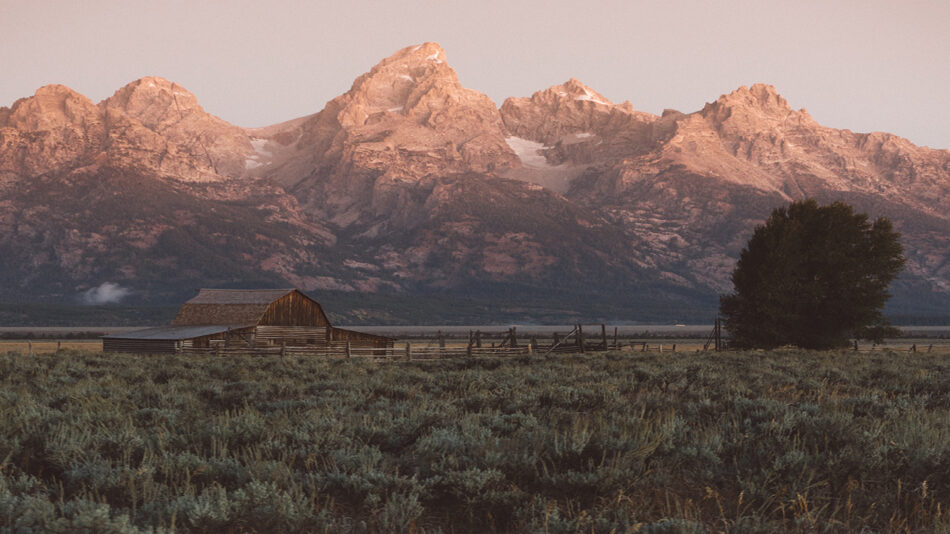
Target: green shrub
[788, 441]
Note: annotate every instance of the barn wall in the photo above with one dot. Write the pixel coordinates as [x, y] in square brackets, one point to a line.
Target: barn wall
[290, 335]
[139, 346]
[236, 338]
[359, 339]
[294, 309]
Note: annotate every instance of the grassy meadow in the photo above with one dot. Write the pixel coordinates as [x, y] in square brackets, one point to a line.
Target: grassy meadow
[783, 441]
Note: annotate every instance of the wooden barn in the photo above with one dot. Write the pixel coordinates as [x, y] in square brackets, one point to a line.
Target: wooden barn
[246, 320]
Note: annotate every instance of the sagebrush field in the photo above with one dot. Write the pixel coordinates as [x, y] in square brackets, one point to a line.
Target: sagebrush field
[622, 442]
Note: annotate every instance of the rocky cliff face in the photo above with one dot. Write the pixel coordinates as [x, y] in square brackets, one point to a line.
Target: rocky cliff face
[408, 165]
[577, 125]
[692, 186]
[145, 190]
[411, 183]
[407, 120]
[54, 129]
[151, 125]
[159, 125]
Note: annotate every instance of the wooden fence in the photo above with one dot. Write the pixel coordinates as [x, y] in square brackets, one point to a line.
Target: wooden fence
[478, 344]
[407, 352]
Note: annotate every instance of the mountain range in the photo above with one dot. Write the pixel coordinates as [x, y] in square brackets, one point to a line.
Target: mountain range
[411, 186]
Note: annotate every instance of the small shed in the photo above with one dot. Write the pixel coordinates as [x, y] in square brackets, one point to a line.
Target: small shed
[248, 320]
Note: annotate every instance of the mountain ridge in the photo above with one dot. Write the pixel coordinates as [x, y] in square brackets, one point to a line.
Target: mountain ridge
[413, 184]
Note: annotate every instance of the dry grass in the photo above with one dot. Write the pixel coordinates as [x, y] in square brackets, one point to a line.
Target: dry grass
[50, 346]
[780, 441]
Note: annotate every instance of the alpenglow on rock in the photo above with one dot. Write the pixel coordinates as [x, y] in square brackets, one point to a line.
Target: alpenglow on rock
[413, 184]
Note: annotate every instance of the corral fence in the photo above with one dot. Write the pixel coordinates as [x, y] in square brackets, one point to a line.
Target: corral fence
[477, 343]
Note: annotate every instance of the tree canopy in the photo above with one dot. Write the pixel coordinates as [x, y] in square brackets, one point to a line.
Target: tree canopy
[812, 276]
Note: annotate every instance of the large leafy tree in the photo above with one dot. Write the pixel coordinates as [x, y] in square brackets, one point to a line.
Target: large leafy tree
[812, 276]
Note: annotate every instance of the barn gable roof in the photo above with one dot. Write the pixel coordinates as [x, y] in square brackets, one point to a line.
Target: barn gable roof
[228, 306]
[174, 333]
[238, 296]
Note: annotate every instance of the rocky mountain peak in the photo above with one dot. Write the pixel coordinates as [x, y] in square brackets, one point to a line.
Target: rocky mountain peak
[572, 95]
[154, 101]
[425, 55]
[158, 124]
[411, 182]
[759, 100]
[413, 101]
[53, 129]
[51, 107]
[400, 83]
[406, 120]
[580, 123]
[576, 90]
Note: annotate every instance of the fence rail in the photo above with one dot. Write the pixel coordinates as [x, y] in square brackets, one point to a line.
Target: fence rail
[411, 352]
[408, 352]
[479, 343]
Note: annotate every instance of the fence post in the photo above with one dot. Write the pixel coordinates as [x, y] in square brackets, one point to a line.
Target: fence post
[615, 339]
[283, 348]
[408, 351]
[603, 334]
[478, 338]
[718, 336]
[468, 351]
[59, 346]
[29, 344]
[674, 347]
[580, 337]
[514, 339]
[348, 354]
[930, 348]
[441, 340]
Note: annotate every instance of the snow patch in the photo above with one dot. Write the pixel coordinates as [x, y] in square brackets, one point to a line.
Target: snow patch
[590, 97]
[395, 109]
[251, 164]
[407, 77]
[258, 145]
[583, 135]
[434, 57]
[353, 264]
[529, 152]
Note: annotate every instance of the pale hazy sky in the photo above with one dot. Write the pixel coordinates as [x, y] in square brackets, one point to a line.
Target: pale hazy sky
[866, 65]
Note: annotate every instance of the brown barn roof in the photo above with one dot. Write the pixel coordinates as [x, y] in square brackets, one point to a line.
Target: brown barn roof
[227, 306]
[238, 296]
[175, 333]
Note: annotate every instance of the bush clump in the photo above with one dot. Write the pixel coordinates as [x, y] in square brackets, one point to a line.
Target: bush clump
[790, 441]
